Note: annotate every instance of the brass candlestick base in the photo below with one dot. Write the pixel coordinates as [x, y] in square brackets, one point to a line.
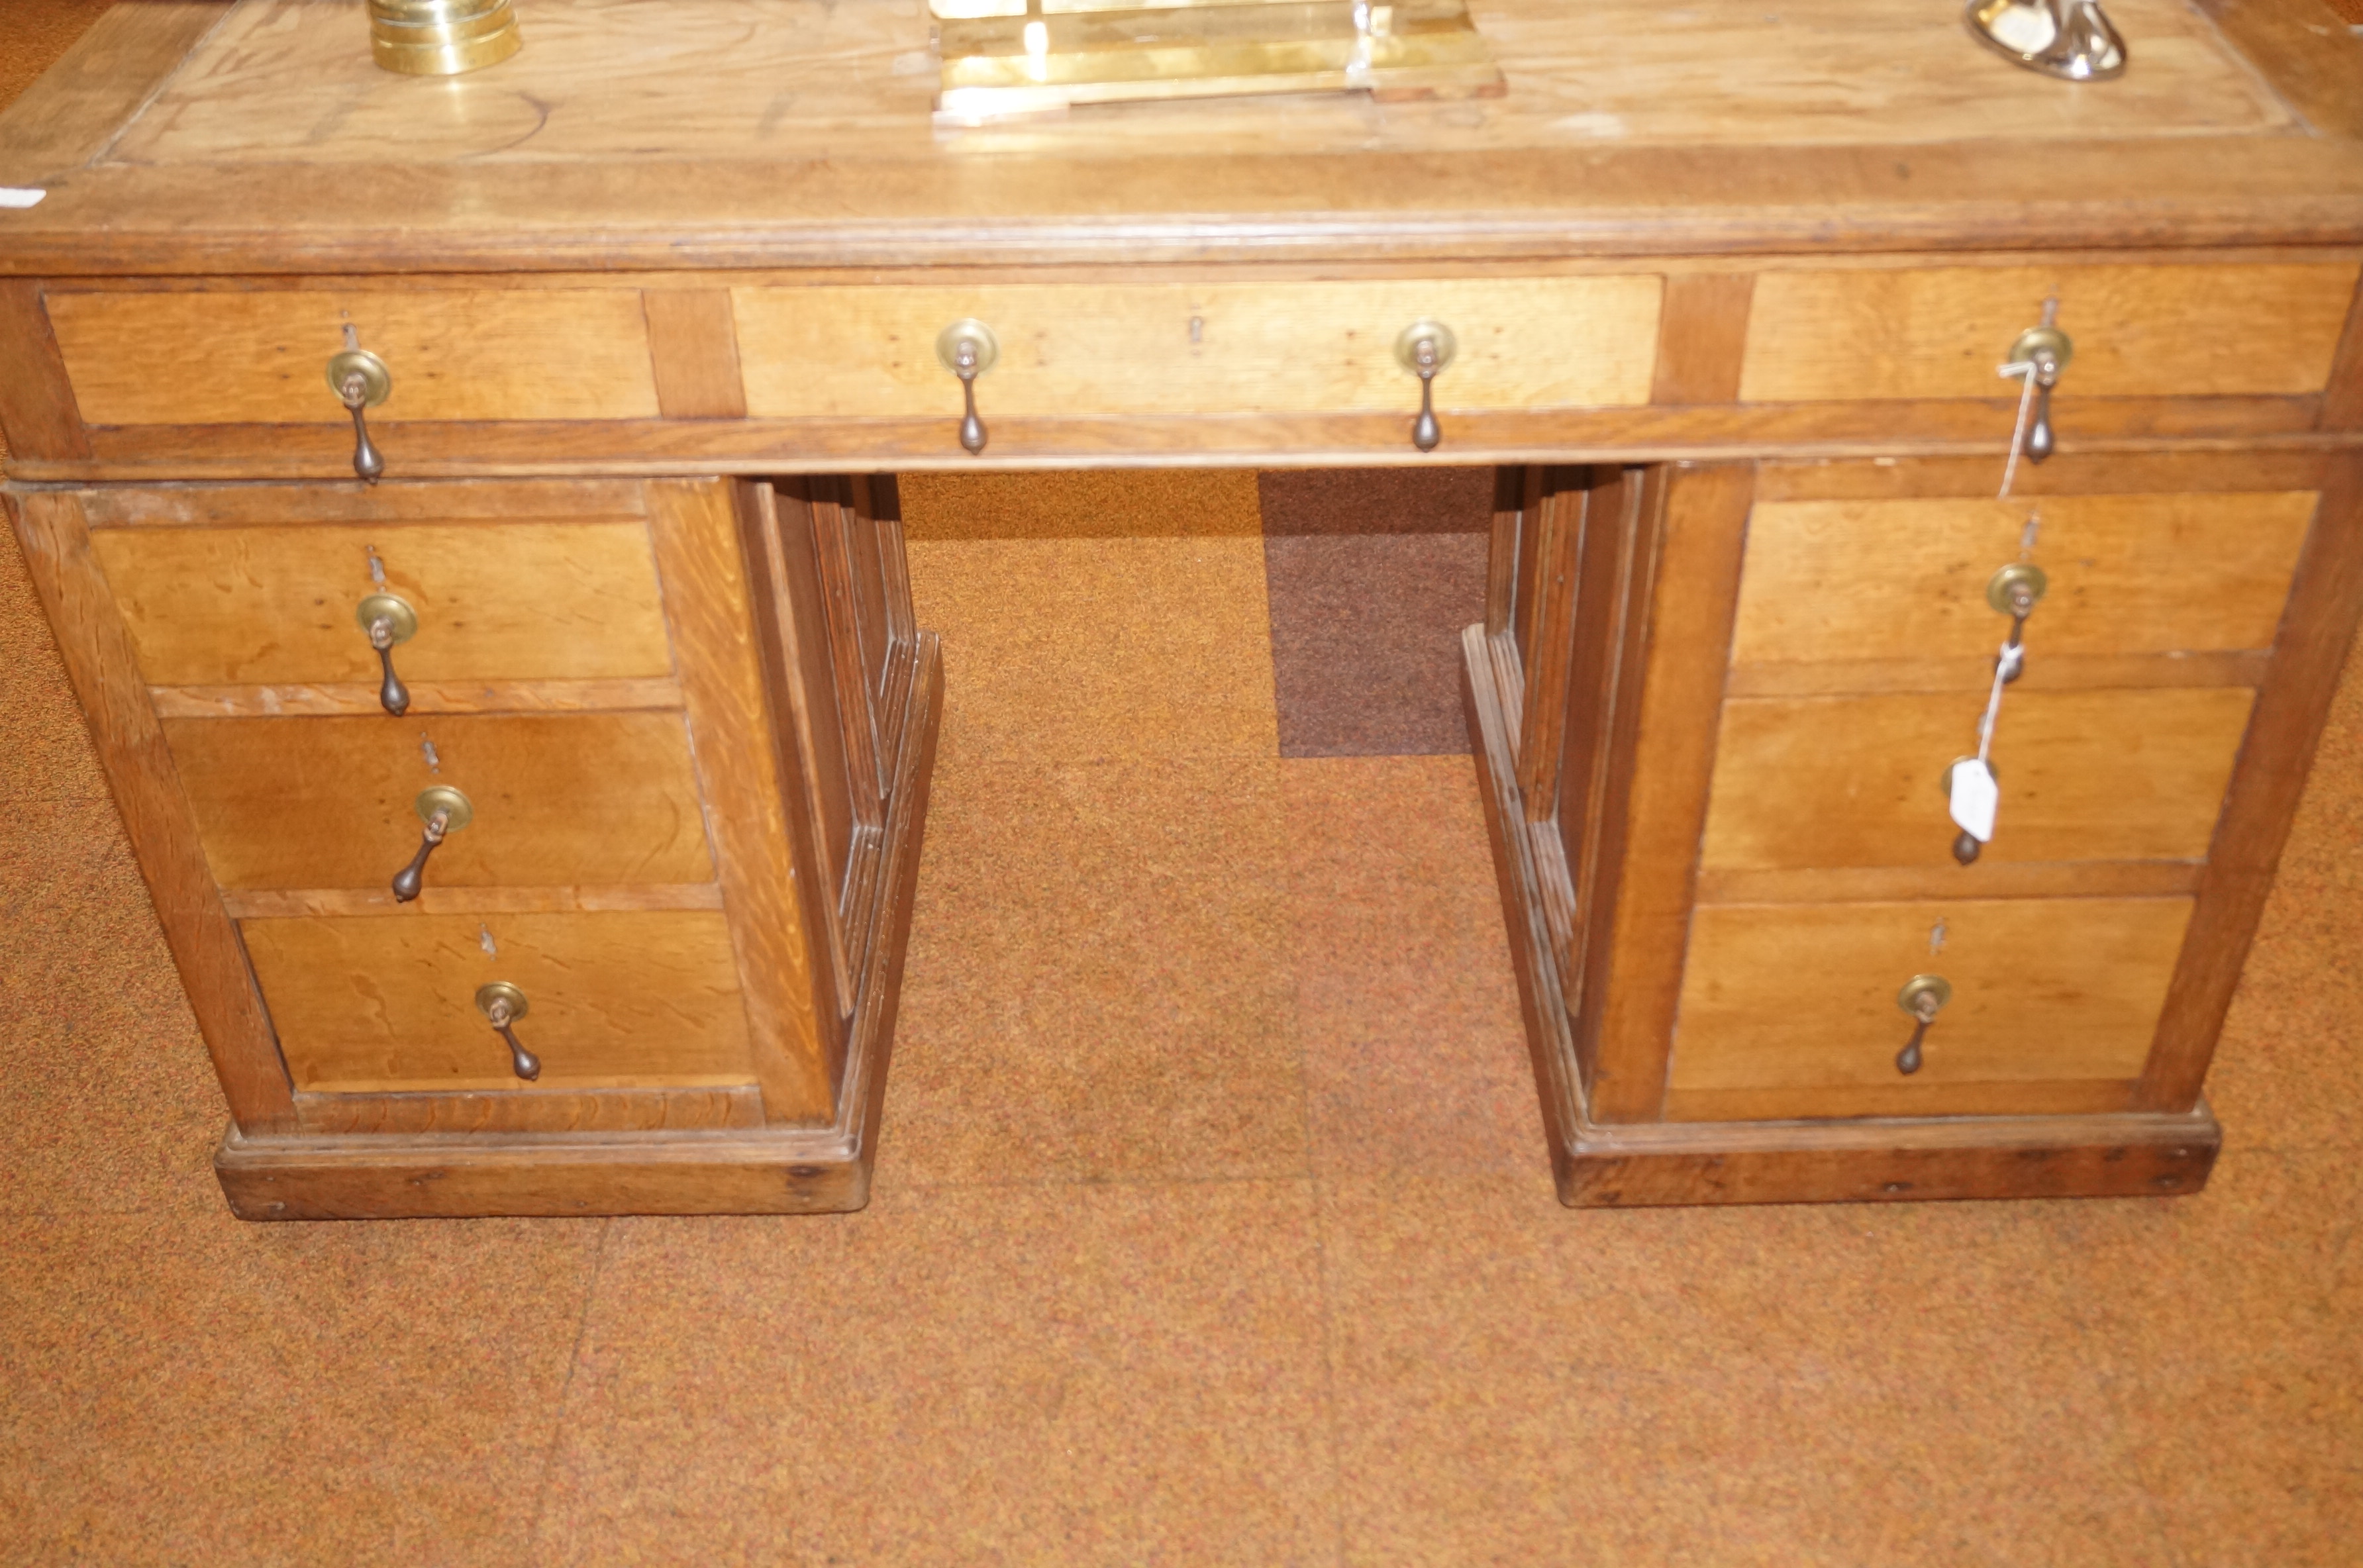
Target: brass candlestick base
[441, 37]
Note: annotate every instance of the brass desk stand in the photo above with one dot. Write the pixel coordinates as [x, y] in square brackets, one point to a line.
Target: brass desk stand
[1003, 58]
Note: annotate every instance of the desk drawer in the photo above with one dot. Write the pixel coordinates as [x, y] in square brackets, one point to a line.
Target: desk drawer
[493, 602]
[558, 800]
[615, 1001]
[1791, 1010]
[1073, 351]
[2129, 577]
[2138, 331]
[1858, 781]
[261, 356]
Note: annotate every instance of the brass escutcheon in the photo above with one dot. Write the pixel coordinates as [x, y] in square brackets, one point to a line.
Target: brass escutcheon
[457, 810]
[983, 347]
[2037, 342]
[1407, 344]
[401, 620]
[2002, 588]
[375, 382]
[492, 992]
[1925, 995]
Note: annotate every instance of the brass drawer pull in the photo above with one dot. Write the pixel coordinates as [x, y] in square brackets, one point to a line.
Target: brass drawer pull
[361, 381]
[1924, 997]
[1970, 783]
[388, 621]
[445, 810]
[504, 1004]
[967, 350]
[1423, 349]
[2038, 355]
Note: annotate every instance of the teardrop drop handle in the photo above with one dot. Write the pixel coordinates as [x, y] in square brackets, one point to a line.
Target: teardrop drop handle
[971, 431]
[2040, 442]
[1424, 432]
[1423, 349]
[504, 1004]
[392, 694]
[967, 348]
[1923, 997]
[361, 381]
[445, 812]
[411, 879]
[1965, 848]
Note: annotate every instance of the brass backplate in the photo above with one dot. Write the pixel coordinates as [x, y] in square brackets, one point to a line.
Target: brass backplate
[1918, 986]
[1002, 59]
[492, 992]
[2036, 340]
[1408, 340]
[969, 331]
[2000, 586]
[401, 620]
[377, 381]
[457, 810]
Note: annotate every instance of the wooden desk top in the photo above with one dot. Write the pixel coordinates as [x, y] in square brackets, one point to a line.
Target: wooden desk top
[198, 137]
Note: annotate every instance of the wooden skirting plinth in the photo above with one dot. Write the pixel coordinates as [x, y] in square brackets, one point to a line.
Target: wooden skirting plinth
[782, 1170]
[1866, 1159]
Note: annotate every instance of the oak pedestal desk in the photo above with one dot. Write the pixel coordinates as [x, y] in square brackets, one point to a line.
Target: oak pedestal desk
[613, 661]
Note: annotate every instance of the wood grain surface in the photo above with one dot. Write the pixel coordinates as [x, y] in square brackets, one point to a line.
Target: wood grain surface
[1906, 580]
[2138, 331]
[37, 405]
[1214, 346]
[693, 351]
[1688, 573]
[560, 800]
[457, 354]
[360, 698]
[524, 1109]
[1840, 781]
[156, 815]
[616, 1000]
[1803, 996]
[519, 601]
[797, 1056]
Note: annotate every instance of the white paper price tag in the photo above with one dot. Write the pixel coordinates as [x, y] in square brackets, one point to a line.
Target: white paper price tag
[1975, 798]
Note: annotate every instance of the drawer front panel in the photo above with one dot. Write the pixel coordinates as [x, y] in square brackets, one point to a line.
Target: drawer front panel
[494, 601]
[1281, 347]
[261, 357]
[560, 800]
[1856, 781]
[1837, 580]
[1803, 998]
[2138, 331]
[618, 1000]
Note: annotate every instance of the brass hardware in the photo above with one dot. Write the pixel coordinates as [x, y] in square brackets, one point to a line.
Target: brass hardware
[1423, 349]
[504, 1004]
[1003, 58]
[2016, 590]
[2068, 39]
[361, 381]
[441, 37]
[2048, 350]
[445, 810]
[1923, 997]
[388, 621]
[967, 350]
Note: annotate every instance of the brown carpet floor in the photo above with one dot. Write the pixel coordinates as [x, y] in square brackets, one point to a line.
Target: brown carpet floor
[1214, 1225]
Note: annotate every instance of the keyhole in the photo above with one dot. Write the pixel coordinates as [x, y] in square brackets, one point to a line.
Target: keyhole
[427, 750]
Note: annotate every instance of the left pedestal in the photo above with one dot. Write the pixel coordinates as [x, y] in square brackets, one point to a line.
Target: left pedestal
[526, 848]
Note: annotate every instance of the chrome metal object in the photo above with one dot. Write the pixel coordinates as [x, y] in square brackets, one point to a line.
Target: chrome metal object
[2068, 39]
[389, 621]
[1423, 349]
[504, 1004]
